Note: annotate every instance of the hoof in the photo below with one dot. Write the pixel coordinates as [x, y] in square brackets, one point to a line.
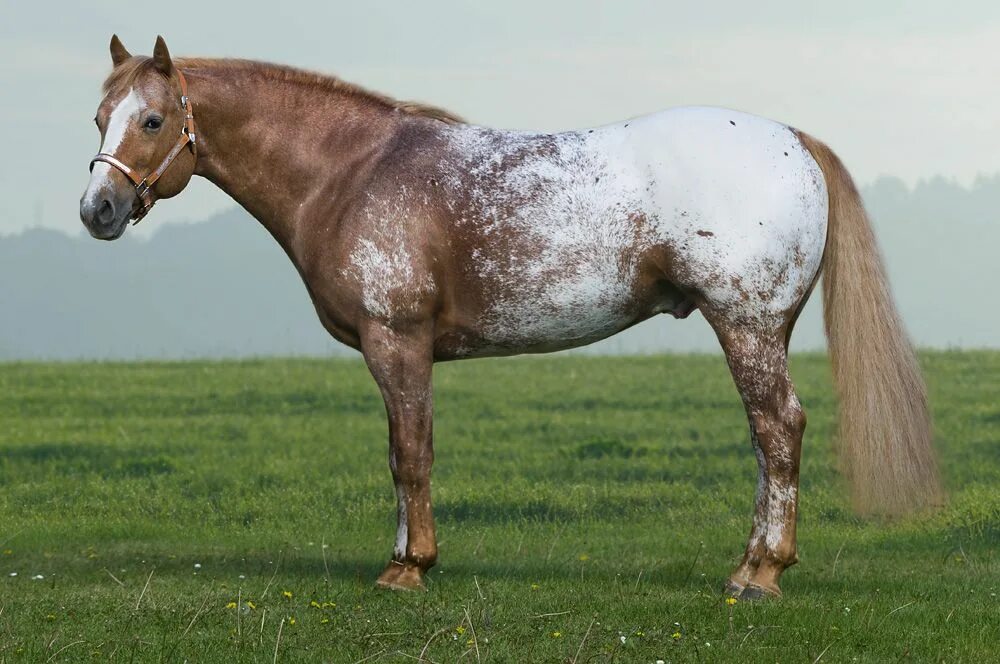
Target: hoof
[401, 576]
[732, 589]
[389, 574]
[755, 593]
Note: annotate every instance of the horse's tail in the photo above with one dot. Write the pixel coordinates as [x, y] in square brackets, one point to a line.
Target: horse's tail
[885, 425]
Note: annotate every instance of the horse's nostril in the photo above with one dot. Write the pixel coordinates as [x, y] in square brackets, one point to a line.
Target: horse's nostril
[106, 212]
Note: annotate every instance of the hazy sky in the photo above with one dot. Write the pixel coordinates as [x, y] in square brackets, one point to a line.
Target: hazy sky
[902, 88]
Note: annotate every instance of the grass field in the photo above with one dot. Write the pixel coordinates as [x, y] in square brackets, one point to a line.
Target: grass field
[588, 510]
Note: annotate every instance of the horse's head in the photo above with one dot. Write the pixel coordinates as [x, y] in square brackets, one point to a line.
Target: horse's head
[147, 141]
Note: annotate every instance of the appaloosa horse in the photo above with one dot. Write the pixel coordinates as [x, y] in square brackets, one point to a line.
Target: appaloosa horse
[422, 239]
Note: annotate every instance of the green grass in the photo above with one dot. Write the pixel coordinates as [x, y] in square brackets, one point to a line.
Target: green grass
[579, 501]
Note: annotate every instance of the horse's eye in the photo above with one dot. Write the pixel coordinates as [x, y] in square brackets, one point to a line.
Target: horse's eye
[153, 123]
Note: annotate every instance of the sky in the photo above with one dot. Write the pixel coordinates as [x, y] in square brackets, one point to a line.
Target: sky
[901, 88]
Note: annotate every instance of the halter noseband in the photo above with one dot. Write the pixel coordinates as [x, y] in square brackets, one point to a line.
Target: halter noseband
[144, 186]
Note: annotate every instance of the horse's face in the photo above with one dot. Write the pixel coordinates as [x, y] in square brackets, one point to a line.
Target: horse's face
[140, 120]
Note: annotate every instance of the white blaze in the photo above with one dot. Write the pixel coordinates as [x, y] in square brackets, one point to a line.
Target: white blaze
[124, 113]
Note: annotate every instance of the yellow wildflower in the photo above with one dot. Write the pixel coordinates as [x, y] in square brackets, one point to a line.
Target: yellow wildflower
[287, 594]
[675, 636]
[324, 621]
[314, 604]
[584, 556]
[291, 620]
[460, 629]
[730, 601]
[556, 635]
[251, 605]
[231, 605]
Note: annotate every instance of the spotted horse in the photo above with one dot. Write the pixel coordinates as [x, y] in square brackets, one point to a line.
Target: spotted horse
[422, 239]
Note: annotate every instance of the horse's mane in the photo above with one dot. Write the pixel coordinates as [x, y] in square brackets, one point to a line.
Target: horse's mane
[132, 69]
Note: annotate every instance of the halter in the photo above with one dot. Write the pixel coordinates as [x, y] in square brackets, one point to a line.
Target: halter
[144, 186]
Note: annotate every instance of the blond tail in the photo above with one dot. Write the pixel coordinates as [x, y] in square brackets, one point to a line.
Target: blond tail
[885, 426]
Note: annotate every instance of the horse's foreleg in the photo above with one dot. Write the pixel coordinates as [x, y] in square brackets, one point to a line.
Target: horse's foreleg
[759, 365]
[401, 365]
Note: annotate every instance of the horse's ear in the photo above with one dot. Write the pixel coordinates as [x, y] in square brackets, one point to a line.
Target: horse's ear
[161, 57]
[119, 53]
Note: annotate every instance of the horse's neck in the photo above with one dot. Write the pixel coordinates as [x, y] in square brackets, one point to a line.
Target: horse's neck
[274, 146]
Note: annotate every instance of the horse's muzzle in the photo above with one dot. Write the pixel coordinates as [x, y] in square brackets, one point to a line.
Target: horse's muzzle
[104, 217]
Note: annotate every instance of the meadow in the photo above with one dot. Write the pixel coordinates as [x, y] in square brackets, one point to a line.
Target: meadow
[588, 510]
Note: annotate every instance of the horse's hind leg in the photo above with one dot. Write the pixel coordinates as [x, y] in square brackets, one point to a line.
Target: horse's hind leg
[759, 364]
[401, 363]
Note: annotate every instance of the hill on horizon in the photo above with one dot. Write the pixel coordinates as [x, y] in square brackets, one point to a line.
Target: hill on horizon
[224, 288]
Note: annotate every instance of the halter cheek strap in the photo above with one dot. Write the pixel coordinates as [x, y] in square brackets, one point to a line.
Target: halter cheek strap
[144, 185]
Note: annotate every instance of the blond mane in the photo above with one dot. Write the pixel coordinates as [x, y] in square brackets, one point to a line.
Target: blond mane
[129, 71]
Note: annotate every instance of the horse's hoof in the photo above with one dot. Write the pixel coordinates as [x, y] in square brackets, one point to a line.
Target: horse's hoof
[755, 593]
[732, 589]
[399, 576]
[389, 574]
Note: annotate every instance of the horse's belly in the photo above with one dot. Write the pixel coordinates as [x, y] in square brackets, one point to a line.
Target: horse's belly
[570, 313]
[542, 307]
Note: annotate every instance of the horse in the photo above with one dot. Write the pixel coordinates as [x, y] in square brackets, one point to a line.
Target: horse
[422, 238]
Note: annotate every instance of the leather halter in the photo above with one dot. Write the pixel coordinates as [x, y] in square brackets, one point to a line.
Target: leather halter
[144, 186]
